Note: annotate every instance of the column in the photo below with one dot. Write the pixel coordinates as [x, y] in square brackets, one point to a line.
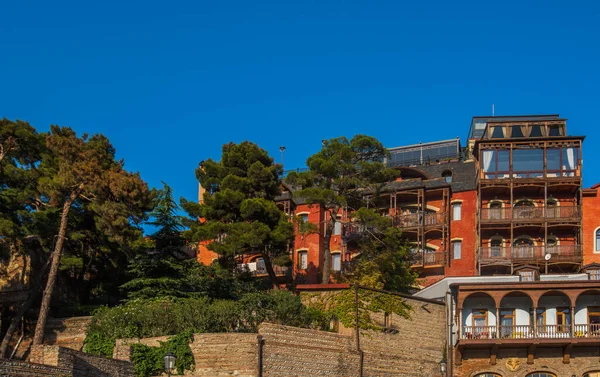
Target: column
[572, 321]
[460, 323]
[535, 322]
[497, 322]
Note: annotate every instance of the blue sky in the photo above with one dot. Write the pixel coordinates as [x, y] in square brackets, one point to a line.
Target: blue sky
[170, 82]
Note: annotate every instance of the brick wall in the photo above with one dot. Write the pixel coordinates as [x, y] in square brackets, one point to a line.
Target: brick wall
[80, 364]
[590, 222]
[67, 332]
[464, 229]
[547, 360]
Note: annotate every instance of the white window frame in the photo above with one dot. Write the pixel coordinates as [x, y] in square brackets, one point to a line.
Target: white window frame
[337, 228]
[596, 243]
[456, 206]
[303, 264]
[454, 243]
[333, 255]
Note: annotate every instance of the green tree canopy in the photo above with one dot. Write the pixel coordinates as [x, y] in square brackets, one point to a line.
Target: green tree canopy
[338, 176]
[238, 212]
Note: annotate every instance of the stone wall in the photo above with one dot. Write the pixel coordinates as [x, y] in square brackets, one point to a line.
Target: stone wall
[80, 364]
[15, 368]
[513, 362]
[66, 332]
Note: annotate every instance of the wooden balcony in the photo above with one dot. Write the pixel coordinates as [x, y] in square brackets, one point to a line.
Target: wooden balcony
[415, 220]
[531, 254]
[421, 259]
[531, 214]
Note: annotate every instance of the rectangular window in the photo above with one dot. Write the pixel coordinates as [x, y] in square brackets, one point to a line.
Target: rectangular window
[456, 249]
[336, 262]
[528, 160]
[456, 211]
[302, 222]
[594, 274]
[303, 260]
[479, 317]
[496, 163]
[563, 319]
[527, 275]
[337, 229]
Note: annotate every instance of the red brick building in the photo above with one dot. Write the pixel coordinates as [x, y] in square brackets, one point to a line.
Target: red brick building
[509, 203]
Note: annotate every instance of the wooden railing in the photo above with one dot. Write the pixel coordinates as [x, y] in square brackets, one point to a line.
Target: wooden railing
[416, 219]
[420, 258]
[527, 332]
[530, 213]
[531, 253]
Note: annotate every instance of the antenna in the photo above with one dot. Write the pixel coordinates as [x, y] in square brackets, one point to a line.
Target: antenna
[282, 149]
[492, 109]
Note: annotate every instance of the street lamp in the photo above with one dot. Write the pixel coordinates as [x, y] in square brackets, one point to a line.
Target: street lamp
[170, 362]
[443, 366]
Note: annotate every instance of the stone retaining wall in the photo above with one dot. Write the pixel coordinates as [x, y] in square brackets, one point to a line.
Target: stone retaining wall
[80, 364]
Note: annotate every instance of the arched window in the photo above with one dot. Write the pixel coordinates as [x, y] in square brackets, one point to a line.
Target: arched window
[592, 374]
[551, 210]
[597, 246]
[541, 374]
[496, 243]
[488, 375]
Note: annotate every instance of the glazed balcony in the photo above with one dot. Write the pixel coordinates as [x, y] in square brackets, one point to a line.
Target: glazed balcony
[259, 269]
[534, 254]
[531, 214]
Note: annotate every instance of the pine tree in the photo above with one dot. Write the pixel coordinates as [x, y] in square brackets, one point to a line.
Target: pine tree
[239, 214]
[338, 177]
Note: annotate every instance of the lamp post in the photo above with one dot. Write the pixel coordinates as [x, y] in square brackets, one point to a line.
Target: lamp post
[443, 367]
[169, 362]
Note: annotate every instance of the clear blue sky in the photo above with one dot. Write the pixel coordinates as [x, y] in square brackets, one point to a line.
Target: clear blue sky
[169, 82]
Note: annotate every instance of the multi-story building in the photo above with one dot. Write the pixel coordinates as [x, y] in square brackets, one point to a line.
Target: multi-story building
[510, 202]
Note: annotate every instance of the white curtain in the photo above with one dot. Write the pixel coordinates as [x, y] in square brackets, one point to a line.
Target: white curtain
[487, 160]
[571, 158]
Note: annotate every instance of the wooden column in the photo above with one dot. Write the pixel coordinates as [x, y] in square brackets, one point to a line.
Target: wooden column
[572, 321]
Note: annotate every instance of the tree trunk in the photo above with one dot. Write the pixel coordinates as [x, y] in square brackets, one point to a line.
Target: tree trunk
[38, 337]
[329, 226]
[270, 271]
[14, 323]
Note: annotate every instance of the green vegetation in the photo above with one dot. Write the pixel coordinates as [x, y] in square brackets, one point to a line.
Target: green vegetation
[149, 361]
[160, 317]
[338, 177]
[240, 216]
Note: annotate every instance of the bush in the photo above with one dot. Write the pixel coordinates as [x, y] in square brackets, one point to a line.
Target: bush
[149, 361]
[160, 317]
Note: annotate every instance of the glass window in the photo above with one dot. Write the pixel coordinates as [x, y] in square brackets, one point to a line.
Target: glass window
[594, 274]
[555, 131]
[553, 159]
[303, 260]
[536, 131]
[447, 175]
[337, 229]
[456, 211]
[503, 161]
[488, 375]
[569, 158]
[516, 132]
[456, 249]
[479, 317]
[527, 275]
[528, 160]
[497, 133]
[336, 262]
[541, 374]
[302, 222]
[592, 374]
[597, 247]
[563, 319]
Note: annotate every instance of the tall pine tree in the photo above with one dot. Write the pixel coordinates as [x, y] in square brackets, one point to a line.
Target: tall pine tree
[239, 214]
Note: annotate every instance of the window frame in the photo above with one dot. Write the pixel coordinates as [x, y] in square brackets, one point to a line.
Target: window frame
[597, 241]
[456, 205]
[454, 243]
[302, 266]
[333, 255]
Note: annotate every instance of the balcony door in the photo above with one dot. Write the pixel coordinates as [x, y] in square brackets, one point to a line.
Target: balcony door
[523, 248]
[594, 319]
[496, 247]
[495, 211]
[563, 320]
[507, 322]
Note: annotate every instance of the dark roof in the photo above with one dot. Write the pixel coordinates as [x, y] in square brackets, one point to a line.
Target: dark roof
[463, 174]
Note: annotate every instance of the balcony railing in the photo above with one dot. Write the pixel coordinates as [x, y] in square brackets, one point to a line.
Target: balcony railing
[420, 258]
[531, 253]
[261, 269]
[529, 332]
[530, 213]
[410, 220]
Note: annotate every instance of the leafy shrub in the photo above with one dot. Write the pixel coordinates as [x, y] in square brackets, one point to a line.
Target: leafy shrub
[149, 361]
[160, 317]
